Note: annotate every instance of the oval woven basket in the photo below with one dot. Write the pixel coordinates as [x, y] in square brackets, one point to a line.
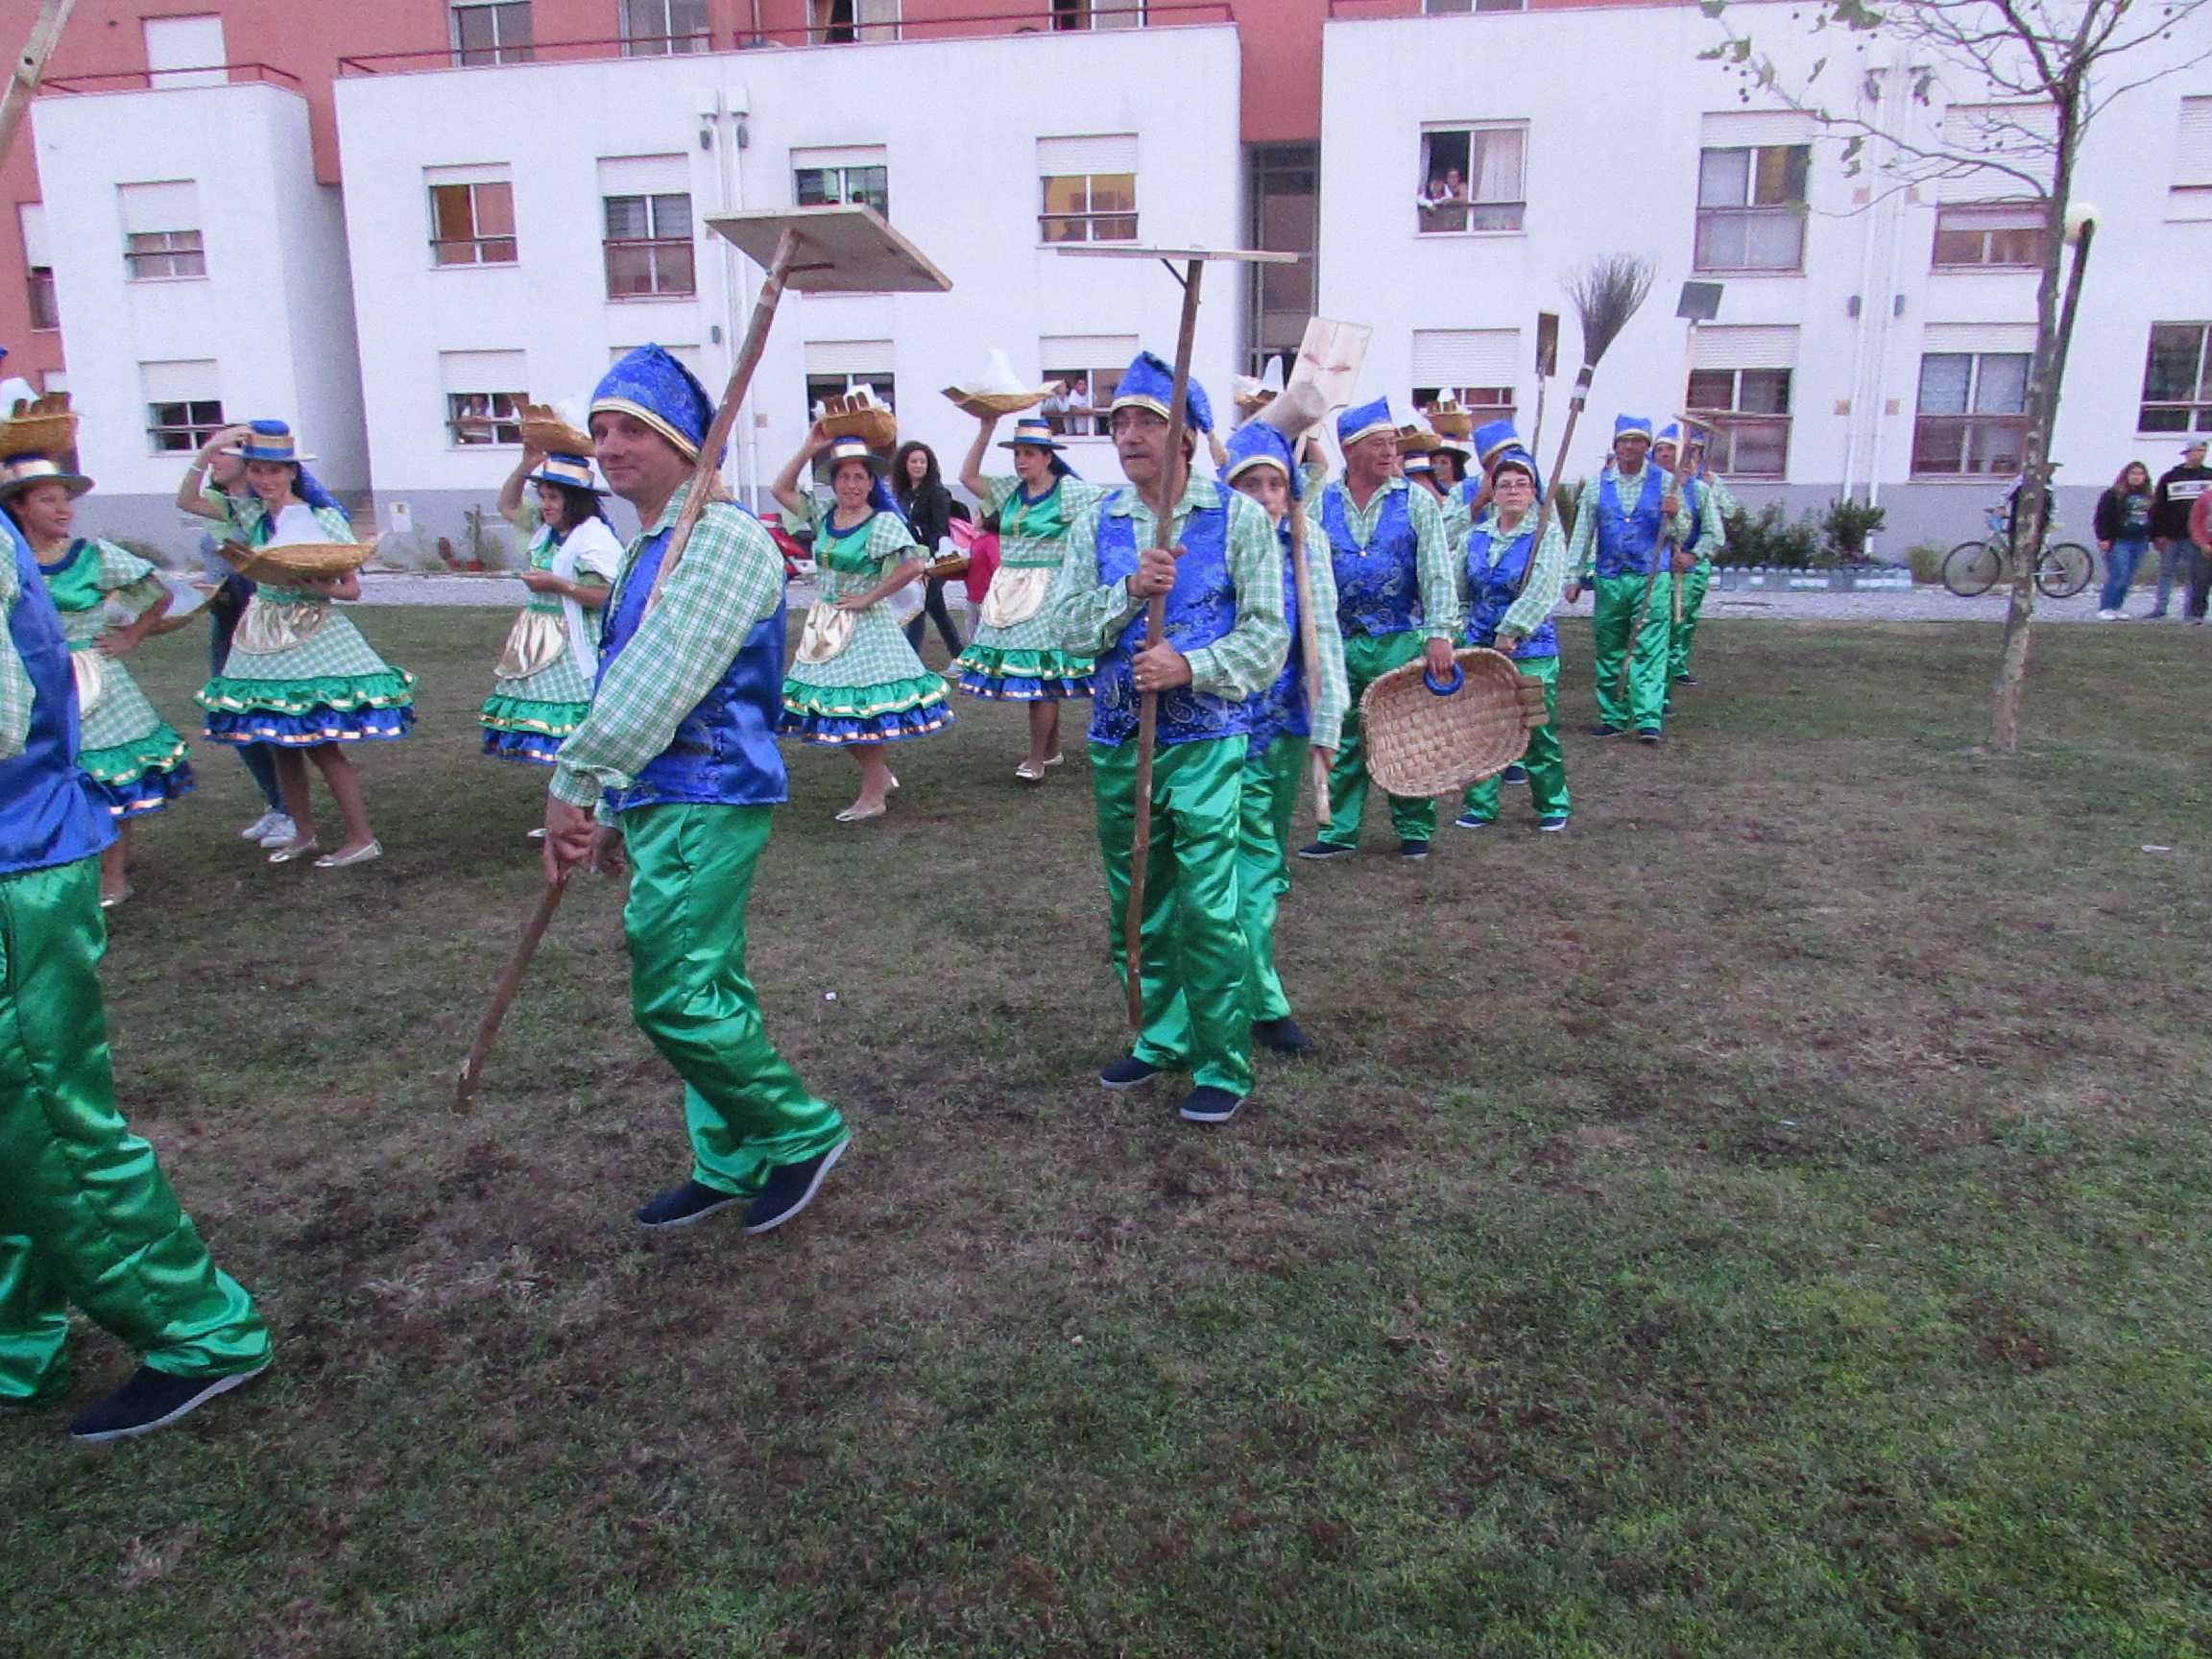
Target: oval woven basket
[879, 428]
[944, 569]
[1451, 424]
[299, 561]
[51, 436]
[995, 403]
[1420, 743]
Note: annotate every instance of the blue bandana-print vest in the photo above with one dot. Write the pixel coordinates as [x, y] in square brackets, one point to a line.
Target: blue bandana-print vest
[1378, 586]
[1201, 609]
[1280, 710]
[723, 752]
[1494, 573]
[1628, 540]
[47, 815]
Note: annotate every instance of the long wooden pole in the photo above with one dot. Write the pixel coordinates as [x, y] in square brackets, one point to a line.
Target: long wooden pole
[703, 477]
[1173, 477]
[30, 66]
[1309, 638]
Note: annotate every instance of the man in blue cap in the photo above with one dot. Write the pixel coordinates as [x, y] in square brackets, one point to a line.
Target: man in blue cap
[1624, 522]
[1397, 600]
[1224, 643]
[676, 767]
[1707, 501]
[85, 1215]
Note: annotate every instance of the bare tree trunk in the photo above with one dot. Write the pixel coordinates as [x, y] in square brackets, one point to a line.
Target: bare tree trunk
[2030, 519]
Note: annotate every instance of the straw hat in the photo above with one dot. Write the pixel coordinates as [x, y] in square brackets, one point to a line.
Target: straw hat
[21, 472]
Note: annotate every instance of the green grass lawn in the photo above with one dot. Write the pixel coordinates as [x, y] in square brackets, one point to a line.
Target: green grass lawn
[1770, 1219]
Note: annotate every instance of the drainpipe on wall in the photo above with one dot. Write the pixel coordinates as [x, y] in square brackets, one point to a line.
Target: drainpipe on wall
[1870, 228]
[1896, 96]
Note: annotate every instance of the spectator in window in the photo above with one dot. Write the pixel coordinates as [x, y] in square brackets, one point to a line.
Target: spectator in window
[2180, 489]
[2123, 535]
[929, 508]
[1443, 205]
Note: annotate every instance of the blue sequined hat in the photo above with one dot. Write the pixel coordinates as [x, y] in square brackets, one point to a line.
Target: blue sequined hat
[1149, 383]
[1670, 433]
[570, 471]
[1514, 455]
[1363, 421]
[1492, 437]
[652, 385]
[272, 440]
[1257, 444]
[1631, 426]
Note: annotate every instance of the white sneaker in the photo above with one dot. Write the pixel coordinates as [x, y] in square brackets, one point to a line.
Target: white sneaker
[262, 826]
[281, 831]
[2108, 616]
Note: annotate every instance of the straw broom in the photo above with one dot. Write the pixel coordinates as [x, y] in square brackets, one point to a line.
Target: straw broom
[1605, 294]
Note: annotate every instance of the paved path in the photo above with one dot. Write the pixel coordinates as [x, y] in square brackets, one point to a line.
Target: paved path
[1887, 604]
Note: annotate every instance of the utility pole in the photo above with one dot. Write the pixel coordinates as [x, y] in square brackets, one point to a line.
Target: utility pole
[29, 66]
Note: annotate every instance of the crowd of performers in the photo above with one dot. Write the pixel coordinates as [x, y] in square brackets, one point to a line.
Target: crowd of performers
[655, 690]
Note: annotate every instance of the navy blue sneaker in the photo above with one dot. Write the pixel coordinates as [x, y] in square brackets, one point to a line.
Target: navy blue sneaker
[1552, 825]
[1514, 774]
[150, 1400]
[790, 1188]
[1606, 730]
[1283, 1036]
[1128, 1072]
[1649, 735]
[1468, 821]
[1688, 679]
[1324, 850]
[1207, 1104]
[1413, 848]
[681, 1206]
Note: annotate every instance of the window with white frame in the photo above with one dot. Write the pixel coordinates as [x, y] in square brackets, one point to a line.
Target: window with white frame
[484, 392]
[1472, 177]
[844, 173]
[1741, 381]
[2191, 194]
[2178, 380]
[471, 215]
[184, 52]
[1089, 188]
[1751, 207]
[645, 204]
[1097, 13]
[656, 28]
[161, 231]
[837, 368]
[1972, 419]
[183, 405]
[491, 31]
[38, 267]
[841, 22]
[1977, 236]
[1089, 367]
[1475, 366]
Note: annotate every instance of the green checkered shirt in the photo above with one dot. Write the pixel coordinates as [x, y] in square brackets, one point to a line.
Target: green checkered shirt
[730, 579]
[1088, 618]
[1327, 703]
[14, 678]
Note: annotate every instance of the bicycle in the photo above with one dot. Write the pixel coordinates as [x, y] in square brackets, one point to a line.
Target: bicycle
[1971, 569]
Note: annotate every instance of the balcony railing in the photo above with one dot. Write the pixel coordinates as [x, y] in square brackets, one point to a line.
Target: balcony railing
[166, 80]
[1034, 18]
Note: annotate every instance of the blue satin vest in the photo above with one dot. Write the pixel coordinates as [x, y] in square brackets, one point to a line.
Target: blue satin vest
[1280, 710]
[48, 815]
[1628, 542]
[1491, 587]
[1378, 587]
[1201, 609]
[723, 752]
[1699, 500]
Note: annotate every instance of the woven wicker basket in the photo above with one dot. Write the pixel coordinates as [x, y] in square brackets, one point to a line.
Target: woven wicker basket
[299, 561]
[878, 428]
[997, 404]
[46, 428]
[547, 432]
[946, 566]
[1416, 440]
[1422, 743]
[1450, 422]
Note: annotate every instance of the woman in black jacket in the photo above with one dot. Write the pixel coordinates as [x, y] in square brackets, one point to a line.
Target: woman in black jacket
[2123, 533]
[929, 510]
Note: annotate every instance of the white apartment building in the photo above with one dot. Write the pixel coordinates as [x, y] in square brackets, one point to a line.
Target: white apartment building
[509, 229]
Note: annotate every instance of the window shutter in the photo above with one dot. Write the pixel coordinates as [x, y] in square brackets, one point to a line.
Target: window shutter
[1978, 337]
[2192, 152]
[1086, 350]
[644, 176]
[180, 382]
[841, 155]
[1752, 129]
[1073, 157]
[485, 371]
[2024, 135]
[481, 173]
[155, 208]
[1719, 347]
[1466, 356]
[32, 215]
[848, 356]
